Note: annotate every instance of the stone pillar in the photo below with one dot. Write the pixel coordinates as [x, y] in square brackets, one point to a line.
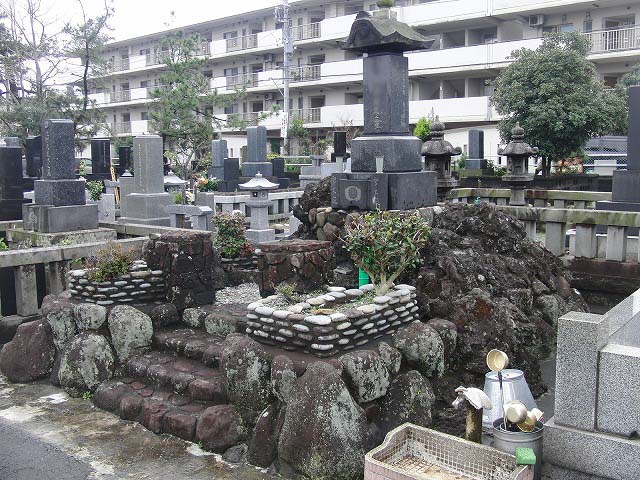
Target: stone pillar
[55, 273]
[26, 290]
[555, 237]
[530, 228]
[616, 243]
[586, 241]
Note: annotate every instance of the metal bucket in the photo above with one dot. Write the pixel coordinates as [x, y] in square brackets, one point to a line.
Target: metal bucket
[507, 442]
[515, 388]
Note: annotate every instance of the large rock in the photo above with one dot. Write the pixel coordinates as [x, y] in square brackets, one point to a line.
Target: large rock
[219, 323]
[247, 369]
[367, 375]
[409, 399]
[220, 427]
[164, 315]
[263, 444]
[449, 335]
[131, 331]
[87, 361]
[30, 354]
[58, 311]
[422, 348]
[194, 317]
[283, 377]
[89, 316]
[324, 435]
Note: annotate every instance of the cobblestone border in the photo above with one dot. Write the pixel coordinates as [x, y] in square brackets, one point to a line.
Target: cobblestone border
[325, 334]
[141, 284]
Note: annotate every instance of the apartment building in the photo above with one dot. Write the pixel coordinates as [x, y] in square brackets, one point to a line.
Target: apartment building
[474, 40]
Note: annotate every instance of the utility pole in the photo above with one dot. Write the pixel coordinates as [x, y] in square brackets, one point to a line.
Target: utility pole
[282, 15]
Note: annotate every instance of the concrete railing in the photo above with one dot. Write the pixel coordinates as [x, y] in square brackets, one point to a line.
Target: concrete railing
[537, 198]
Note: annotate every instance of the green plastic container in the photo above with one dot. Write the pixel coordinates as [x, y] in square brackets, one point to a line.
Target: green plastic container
[363, 278]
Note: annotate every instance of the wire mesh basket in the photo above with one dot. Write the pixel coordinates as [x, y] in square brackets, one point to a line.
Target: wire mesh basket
[413, 452]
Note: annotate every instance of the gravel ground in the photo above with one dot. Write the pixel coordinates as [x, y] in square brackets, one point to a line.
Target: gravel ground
[245, 293]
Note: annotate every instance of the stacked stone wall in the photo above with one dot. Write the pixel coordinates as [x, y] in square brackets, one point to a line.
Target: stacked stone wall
[240, 270]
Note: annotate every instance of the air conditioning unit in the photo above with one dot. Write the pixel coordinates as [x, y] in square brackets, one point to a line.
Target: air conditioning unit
[536, 20]
[270, 57]
[268, 96]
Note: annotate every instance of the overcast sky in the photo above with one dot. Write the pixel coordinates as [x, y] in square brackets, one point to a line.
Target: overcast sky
[140, 17]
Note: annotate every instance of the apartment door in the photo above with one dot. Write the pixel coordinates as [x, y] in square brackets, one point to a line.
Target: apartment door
[125, 93]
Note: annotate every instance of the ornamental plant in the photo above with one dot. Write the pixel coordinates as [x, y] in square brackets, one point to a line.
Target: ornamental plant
[95, 189]
[208, 184]
[385, 244]
[3, 245]
[423, 129]
[110, 262]
[231, 239]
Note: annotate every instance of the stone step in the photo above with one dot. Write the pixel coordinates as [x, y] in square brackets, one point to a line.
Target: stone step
[159, 410]
[177, 374]
[190, 343]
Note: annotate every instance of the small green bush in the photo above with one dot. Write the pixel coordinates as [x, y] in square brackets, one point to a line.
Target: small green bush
[385, 244]
[95, 189]
[208, 184]
[423, 129]
[3, 245]
[231, 239]
[178, 199]
[110, 262]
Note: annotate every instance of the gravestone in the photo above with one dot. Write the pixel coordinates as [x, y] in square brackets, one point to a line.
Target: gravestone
[475, 164]
[225, 169]
[340, 143]
[625, 194]
[12, 141]
[144, 198]
[33, 154]
[125, 157]
[257, 153]
[101, 156]
[279, 171]
[11, 197]
[386, 149]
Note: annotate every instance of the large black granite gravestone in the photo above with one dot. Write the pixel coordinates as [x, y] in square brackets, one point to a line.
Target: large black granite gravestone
[386, 121]
[33, 153]
[125, 159]
[11, 199]
[625, 194]
[101, 156]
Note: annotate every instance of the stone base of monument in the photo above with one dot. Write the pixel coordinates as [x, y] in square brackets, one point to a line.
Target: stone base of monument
[17, 236]
[473, 172]
[51, 219]
[384, 191]
[250, 169]
[401, 153]
[11, 209]
[260, 236]
[147, 209]
[59, 192]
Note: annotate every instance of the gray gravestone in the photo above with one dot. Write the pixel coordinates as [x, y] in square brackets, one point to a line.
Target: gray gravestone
[33, 154]
[58, 155]
[11, 197]
[475, 156]
[12, 141]
[219, 152]
[257, 144]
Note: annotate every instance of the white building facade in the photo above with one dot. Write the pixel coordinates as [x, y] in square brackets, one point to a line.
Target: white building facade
[474, 40]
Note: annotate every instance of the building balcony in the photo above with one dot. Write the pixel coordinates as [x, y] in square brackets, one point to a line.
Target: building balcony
[242, 43]
[243, 80]
[132, 128]
[306, 32]
[306, 73]
[307, 115]
[627, 38]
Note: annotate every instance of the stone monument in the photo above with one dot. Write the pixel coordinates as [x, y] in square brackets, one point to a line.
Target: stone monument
[33, 154]
[386, 162]
[259, 204]
[59, 211]
[11, 197]
[626, 183]
[125, 156]
[143, 197]
[223, 168]
[438, 152]
[100, 158]
[475, 164]
[257, 153]
[518, 153]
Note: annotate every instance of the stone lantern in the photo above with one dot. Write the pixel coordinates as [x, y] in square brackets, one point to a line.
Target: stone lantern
[438, 152]
[518, 153]
[259, 204]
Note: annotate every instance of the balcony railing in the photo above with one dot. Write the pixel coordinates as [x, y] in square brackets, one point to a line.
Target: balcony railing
[248, 117]
[626, 38]
[120, 64]
[307, 115]
[120, 96]
[305, 32]
[242, 43]
[121, 128]
[305, 73]
[242, 80]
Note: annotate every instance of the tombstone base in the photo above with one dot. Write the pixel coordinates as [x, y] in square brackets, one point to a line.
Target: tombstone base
[384, 191]
[401, 153]
[59, 192]
[250, 169]
[11, 209]
[475, 172]
[50, 219]
[146, 209]
[625, 186]
[261, 236]
[38, 239]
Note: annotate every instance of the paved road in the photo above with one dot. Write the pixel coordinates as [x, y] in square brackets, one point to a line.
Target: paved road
[24, 457]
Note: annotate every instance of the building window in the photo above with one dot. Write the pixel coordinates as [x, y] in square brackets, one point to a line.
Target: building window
[145, 84]
[350, 9]
[231, 109]
[144, 115]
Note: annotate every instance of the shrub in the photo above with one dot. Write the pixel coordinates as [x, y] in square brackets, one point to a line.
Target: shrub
[385, 244]
[178, 199]
[231, 239]
[385, 3]
[423, 129]
[111, 261]
[95, 189]
[3, 245]
[208, 184]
